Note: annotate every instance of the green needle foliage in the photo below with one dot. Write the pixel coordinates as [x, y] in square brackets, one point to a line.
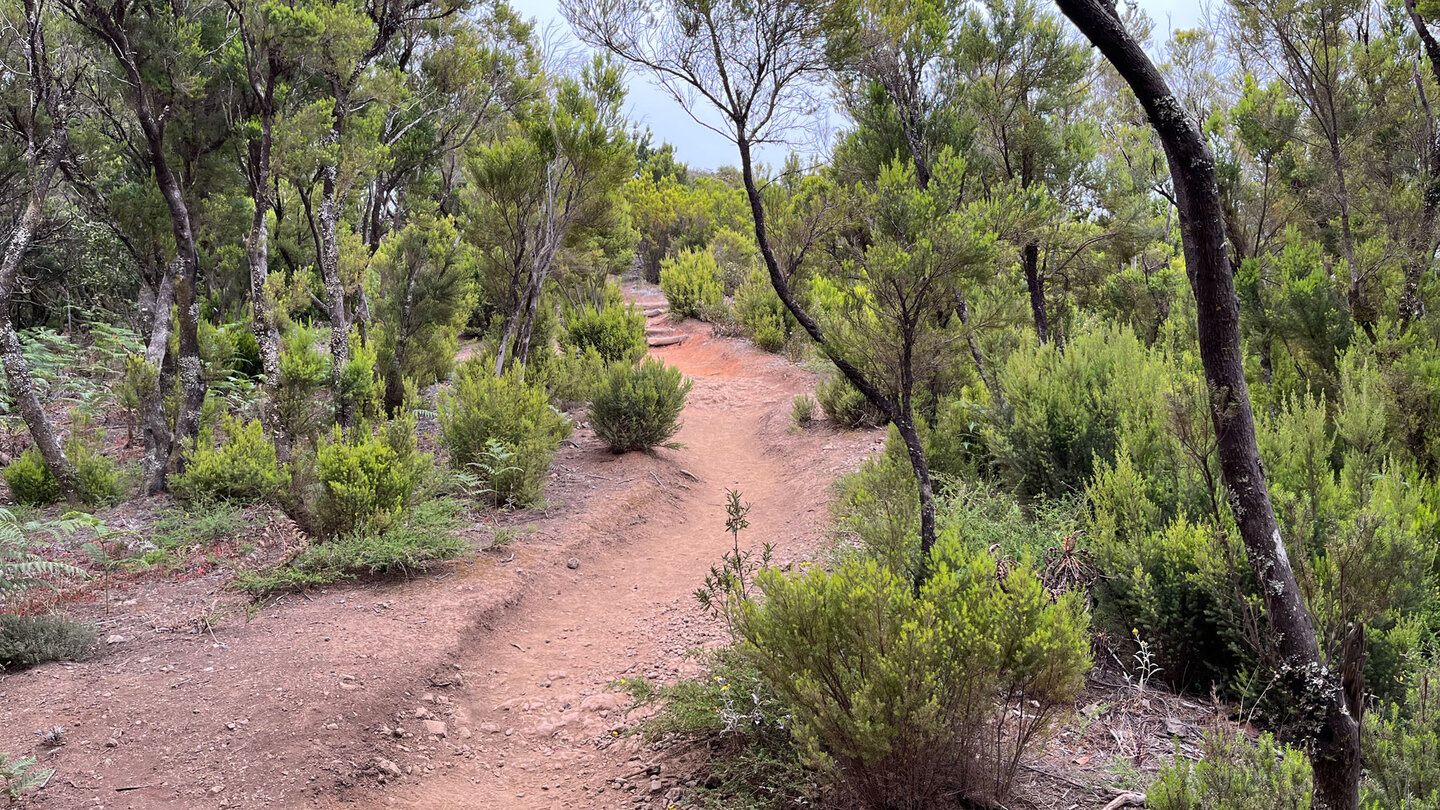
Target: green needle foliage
[639, 406]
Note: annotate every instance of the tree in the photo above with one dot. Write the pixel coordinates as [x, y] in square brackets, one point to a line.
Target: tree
[556, 180]
[136, 37]
[1336, 738]
[422, 283]
[38, 112]
[759, 65]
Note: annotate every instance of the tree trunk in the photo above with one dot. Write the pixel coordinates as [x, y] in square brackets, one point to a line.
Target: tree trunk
[257, 252]
[1336, 744]
[43, 161]
[902, 418]
[1412, 303]
[1030, 263]
[997, 397]
[329, 216]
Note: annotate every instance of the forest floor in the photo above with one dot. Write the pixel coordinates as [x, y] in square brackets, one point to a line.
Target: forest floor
[484, 684]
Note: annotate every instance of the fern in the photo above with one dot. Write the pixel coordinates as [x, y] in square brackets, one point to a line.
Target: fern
[19, 774]
[22, 569]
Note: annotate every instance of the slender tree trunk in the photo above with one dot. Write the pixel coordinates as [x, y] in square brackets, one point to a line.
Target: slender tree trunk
[902, 418]
[329, 233]
[1030, 264]
[1336, 743]
[1412, 303]
[42, 159]
[997, 397]
[394, 376]
[257, 252]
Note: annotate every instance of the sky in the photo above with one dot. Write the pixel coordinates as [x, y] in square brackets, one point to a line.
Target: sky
[652, 107]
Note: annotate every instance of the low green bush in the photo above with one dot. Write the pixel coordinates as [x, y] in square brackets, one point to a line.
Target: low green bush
[30, 481]
[802, 410]
[1401, 744]
[893, 692]
[304, 372]
[761, 313]
[639, 406]
[412, 547]
[32, 484]
[845, 405]
[690, 283]
[367, 479]
[617, 332]
[573, 377]
[242, 466]
[1235, 774]
[481, 408]
[26, 641]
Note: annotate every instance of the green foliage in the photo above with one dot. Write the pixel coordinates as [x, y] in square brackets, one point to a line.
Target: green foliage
[20, 568]
[481, 407]
[427, 538]
[360, 386]
[802, 410]
[762, 314]
[27, 641]
[1401, 743]
[1072, 409]
[573, 377]
[304, 372]
[845, 405]
[241, 467]
[893, 691]
[368, 479]
[690, 283]
[1234, 774]
[422, 287]
[616, 332]
[30, 481]
[18, 776]
[639, 406]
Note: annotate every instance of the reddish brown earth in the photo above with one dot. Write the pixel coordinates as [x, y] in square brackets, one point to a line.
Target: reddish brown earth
[485, 685]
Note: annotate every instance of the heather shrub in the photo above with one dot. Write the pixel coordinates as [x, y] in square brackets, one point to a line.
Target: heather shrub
[242, 466]
[481, 408]
[1401, 743]
[573, 376]
[639, 406]
[27, 641]
[761, 313]
[30, 481]
[1072, 409]
[367, 479]
[361, 388]
[1235, 774]
[845, 405]
[911, 700]
[304, 373]
[802, 410]
[690, 283]
[736, 257]
[617, 332]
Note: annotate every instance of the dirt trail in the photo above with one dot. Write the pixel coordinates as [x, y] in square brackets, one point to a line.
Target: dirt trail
[547, 666]
[322, 699]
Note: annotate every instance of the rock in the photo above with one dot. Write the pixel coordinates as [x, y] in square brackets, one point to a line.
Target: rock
[656, 786]
[572, 563]
[114, 638]
[436, 727]
[509, 732]
[387, 767]
[217, 789]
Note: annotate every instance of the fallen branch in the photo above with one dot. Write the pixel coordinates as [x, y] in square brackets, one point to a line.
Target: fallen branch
[1126, 800]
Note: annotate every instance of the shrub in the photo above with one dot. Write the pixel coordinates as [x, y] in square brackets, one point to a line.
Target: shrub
[616, 332]
[1402, 751]
[30, 481]
[1235, 775]
[639, 406]
[429, 537]
[304, 371]
[1073, 408]
[32, 484]
[360, 387]
[762, 314]
[845, 405]
[26, 641]
[367, 479]
[802, 410]
[894, 692]
[573, 377]
[481, 407]
[878, 506]
[242, 467]
[736, 257]
[690, 283]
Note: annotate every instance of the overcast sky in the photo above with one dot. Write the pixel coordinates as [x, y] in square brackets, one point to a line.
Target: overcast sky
[650, 106]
